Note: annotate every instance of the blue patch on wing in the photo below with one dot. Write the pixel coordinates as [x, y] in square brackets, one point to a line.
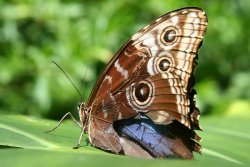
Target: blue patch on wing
[159, 140]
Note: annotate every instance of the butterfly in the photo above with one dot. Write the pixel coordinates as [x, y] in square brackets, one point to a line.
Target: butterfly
[152, 77]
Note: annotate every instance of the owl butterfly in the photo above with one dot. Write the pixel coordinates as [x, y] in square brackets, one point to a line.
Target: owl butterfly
[152, 76]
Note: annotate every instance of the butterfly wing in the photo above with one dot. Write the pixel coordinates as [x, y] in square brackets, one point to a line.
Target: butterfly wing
[172, 47]
[173, 140]
[152, 73]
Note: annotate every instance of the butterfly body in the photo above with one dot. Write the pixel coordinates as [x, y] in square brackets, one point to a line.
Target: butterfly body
[152, 74]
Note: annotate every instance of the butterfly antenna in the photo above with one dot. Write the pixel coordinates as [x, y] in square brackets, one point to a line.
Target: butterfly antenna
[84, 81]
[68, 79]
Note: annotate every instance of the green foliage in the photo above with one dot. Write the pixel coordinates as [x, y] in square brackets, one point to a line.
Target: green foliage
[83, 35]
[221, 146]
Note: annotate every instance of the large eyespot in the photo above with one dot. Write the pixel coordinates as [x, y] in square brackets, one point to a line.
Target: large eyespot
[169, 35]
[141, 94]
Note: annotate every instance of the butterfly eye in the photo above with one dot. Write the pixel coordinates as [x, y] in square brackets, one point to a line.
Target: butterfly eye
[78, 107]
[142, 92]
[169, 35]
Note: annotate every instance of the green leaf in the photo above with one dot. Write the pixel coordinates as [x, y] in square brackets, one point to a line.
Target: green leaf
[226, 143]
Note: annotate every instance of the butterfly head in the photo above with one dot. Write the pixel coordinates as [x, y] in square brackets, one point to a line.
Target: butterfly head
[83, 114]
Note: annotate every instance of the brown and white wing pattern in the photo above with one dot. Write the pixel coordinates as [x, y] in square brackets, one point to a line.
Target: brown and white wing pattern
[171, 42]
[153, 73]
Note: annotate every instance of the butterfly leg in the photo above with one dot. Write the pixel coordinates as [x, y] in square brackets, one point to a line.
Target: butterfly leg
[79, 141]
[59, 123]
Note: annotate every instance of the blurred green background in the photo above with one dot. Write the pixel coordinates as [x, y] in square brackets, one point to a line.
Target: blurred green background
[84, 35]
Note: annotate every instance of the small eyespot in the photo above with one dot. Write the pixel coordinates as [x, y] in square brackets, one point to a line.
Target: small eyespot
[169, 35]
[142, 91]
[164, 65]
